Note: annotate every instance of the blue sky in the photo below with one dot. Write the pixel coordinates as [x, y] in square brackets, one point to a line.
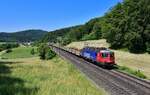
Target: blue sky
[16, 15]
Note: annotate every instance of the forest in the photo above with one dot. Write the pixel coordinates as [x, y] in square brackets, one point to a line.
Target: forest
[126, 25]
[22, 36]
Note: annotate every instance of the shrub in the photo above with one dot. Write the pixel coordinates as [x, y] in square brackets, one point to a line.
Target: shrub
[1, 49]
[33, 51]
[42, 51]
[49, 54]
[45, 52]
[8, 50]
[137, 73]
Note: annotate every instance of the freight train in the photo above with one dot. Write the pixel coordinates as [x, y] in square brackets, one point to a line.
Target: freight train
[102, 56]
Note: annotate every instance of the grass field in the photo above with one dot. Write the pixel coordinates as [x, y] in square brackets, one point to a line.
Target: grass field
[134, 61]
[20, 52]
[24, 74]
[31, 76]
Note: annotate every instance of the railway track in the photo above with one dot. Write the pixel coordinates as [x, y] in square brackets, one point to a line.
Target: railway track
[115, 82]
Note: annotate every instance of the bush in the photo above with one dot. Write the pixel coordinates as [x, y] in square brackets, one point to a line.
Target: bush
[45, 52]
[33, 51]
[139, 74]
[136, 73]
[8, 50]
[1, 49]
[49, 54]
[42, 51]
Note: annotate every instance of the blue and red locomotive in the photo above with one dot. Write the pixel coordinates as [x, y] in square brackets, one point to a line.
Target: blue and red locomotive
[99, 55]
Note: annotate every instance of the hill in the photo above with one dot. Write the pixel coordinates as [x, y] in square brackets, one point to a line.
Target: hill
[74, 33]
[22, 36]
[126, 25]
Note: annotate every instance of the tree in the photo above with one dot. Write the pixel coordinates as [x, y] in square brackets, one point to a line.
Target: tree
[97, 31]
[50, 54]
[45, 52]
[136, 44]
[32, 51]
[42, 51]
[7, 46]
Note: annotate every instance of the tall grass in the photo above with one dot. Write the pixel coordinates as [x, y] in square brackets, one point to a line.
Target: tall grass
[31, 76]
[136, 73]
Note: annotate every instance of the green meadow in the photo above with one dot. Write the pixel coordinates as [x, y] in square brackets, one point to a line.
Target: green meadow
[23, 74]
[20, 52]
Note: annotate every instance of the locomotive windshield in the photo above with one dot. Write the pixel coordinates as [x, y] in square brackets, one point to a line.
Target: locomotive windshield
[104, 55]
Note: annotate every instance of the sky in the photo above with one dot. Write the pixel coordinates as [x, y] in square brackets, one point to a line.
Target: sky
[17, 15]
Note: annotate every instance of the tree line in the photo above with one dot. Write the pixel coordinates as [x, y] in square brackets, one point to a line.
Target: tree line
[8, 46]
[22, 36]
[126, 25]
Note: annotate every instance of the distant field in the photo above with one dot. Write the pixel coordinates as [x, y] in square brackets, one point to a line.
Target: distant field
[2, 42]
[134, 61]
[20, 52]
[6, 42]
[31, 76]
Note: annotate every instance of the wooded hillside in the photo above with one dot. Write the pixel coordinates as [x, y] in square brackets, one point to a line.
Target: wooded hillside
[126, 25]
